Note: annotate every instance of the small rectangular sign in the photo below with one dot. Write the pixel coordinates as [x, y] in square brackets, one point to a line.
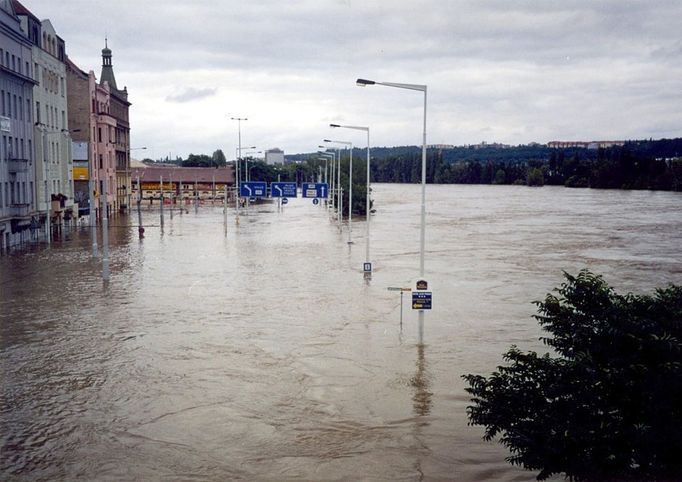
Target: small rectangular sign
[367, 267]
[283, 189]
[5, 124]
[315, 190]
[253, 189]
[421, 300]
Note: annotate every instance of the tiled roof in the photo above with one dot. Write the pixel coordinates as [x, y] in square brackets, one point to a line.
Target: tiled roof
[184, 174]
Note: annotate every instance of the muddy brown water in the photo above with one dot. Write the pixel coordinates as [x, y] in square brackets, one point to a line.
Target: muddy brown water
[259, 352]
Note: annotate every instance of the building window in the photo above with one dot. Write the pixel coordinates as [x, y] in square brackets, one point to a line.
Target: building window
[100, 161]
[21, 111]
[99, 134]
[38, 112]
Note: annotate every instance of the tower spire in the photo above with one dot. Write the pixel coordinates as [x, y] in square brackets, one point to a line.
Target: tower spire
[107, 66]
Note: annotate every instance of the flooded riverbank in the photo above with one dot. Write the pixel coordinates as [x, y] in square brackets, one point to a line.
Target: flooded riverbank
[259, 352]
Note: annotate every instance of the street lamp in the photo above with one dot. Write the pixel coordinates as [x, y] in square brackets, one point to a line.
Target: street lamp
[420, 88]
[337, 174]
[248, 170]
[350, 186]
[239, 150]
[332, 157]
[368, 264]
[238, 155]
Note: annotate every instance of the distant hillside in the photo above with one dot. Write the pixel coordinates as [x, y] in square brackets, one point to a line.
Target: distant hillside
[640, 164]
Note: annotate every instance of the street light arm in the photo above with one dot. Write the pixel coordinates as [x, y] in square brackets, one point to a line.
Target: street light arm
[347, 143]
[357, 128]
[364, 82]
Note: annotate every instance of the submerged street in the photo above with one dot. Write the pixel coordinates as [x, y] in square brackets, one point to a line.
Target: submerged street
[258, 351]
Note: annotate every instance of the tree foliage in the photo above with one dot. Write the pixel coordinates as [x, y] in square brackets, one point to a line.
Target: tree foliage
[609, 406]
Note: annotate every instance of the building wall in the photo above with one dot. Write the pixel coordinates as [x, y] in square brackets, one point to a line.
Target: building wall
[103, 157]
[119, 110]
[53, 146]
[274, 156]
[17, 179]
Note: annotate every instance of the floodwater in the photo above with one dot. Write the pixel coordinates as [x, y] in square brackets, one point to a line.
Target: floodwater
[258, 351]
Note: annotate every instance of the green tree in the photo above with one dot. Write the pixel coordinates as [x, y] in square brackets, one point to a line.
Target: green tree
[535, 177]
[609, 406]
[500, 177]
[218, 158]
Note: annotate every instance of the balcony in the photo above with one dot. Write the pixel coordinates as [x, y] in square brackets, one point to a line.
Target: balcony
[19, 210]
[17, 165]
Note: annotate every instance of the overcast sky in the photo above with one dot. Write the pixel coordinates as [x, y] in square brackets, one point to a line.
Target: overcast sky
[497, 71]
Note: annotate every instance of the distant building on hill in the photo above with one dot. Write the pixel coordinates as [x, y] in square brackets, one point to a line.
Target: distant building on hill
[274, 156]
[584, 144]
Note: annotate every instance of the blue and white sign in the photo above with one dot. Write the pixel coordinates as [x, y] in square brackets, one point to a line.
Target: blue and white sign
[316, 201]
[367, 267]
[421, 300]
[315, 189]
[285, 200]
[283, 189]
[253, 189]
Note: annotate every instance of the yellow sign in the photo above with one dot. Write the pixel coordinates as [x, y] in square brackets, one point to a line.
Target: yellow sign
[80, 173]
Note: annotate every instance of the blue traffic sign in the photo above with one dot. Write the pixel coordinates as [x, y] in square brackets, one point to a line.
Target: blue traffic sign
[285, 200]
[315, 189]
[316, 201]
[283, 189]
[253, 189]
[367, 267]
[421, 300]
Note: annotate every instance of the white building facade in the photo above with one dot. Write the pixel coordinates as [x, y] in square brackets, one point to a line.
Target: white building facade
[274, 156]
[17, 170]
[52, 141]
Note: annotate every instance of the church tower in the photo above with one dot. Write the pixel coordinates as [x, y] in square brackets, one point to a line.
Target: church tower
[107, 67]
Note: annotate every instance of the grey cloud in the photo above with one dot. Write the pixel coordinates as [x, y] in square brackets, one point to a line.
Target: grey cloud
[516, 71]
[190, 94]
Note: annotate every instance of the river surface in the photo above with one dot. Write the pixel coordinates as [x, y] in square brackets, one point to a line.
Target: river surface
[258, 351]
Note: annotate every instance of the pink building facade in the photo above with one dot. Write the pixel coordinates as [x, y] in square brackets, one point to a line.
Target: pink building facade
[102, 146]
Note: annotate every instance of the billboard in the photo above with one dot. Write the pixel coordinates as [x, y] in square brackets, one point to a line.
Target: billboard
[79, 151]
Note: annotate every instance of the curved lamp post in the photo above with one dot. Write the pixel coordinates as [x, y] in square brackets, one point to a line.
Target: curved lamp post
[367, 200]
[420, 88]
[350, 185]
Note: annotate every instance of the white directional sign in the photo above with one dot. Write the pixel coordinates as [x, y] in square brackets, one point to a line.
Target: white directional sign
[315, 190]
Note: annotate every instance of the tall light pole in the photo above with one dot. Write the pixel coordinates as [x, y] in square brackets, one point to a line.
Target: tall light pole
[239, 149]
[420, 88]
[367, 197]
[337, 174]
[350, 186]
[332, 157]
[246, 167]
[238, 155]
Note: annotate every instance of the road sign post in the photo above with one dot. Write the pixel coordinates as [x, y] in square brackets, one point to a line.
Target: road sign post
[315, 190]
[402, 292]
[253, 189]
[283, 189]
[421, 300]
